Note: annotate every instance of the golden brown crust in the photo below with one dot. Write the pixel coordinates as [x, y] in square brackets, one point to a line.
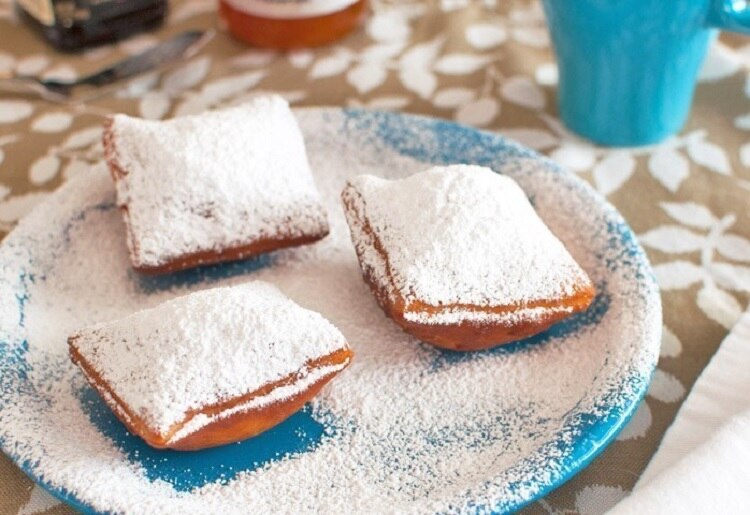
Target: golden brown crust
[222, 430]
[209, 257]
[110, 149]
[466, 335]
[206, 257]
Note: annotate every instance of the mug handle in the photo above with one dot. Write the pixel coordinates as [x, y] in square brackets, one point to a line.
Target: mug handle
[731, 15]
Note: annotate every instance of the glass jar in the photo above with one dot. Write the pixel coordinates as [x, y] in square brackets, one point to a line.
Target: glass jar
[74, 24]
[286, 24]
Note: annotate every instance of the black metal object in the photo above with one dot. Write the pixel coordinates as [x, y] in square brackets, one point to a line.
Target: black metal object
[74, 24]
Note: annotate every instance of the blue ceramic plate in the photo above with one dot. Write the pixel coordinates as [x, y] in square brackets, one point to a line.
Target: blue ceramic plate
[407, 428]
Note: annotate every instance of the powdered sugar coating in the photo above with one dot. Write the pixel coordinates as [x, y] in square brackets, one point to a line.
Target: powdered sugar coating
[305, 380]
[413, 429]
[214, 181]
[460, 236]
[205, 348]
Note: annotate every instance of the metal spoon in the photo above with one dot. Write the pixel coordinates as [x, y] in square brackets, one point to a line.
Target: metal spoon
[181, 47]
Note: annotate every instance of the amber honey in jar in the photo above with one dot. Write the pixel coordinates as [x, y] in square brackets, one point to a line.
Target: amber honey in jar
[288, 24]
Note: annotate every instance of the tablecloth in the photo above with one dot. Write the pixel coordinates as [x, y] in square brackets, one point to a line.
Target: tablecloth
[703, 463]
[482, 63]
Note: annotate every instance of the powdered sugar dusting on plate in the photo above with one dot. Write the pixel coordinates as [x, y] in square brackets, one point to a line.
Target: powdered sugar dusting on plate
[409, 428]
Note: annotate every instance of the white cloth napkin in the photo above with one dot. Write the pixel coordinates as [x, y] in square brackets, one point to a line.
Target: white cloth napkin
[703, 463]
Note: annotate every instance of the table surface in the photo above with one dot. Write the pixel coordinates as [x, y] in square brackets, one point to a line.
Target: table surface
[486, 66]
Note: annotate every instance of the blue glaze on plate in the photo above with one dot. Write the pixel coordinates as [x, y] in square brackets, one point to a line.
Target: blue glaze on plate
[430, 141]
[188, 470]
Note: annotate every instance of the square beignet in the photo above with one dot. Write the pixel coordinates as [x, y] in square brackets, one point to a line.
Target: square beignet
[212, 367]
[219, 186]
[458, 257]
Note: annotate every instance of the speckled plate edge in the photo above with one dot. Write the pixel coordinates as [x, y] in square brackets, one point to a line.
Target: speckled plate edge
[454, 143]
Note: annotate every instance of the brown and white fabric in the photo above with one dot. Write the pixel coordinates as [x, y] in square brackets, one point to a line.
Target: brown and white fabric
[484, 63]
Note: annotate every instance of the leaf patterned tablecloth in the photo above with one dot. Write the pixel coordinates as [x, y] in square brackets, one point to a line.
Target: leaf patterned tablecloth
[480, 63]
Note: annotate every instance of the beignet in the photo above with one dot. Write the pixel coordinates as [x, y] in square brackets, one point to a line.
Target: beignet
[458, 257]
[212, 367]
[219, 186]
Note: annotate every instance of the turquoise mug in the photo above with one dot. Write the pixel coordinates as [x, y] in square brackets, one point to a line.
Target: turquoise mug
[628, 67]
